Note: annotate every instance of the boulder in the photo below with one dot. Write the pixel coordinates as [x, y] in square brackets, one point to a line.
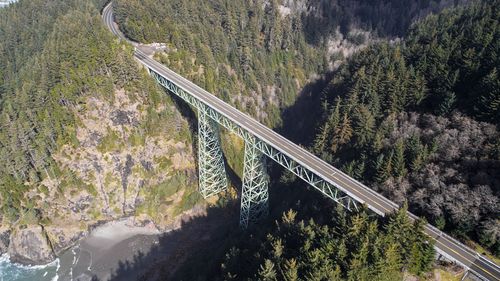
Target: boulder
[4, 240]
[65, 237]
[30, 246]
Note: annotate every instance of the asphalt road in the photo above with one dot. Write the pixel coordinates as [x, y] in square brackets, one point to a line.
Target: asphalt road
[444, 244]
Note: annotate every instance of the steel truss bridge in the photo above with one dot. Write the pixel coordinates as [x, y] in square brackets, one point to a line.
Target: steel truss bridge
[261, 144]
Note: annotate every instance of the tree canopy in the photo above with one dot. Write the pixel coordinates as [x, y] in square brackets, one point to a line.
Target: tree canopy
[418, 120]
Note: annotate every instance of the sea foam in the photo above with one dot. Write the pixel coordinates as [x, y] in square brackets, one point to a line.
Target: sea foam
[10, 271]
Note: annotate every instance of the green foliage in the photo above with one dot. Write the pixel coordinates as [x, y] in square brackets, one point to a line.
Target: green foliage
[228, 47]
[157, 197]
[110, 142]
[51, 61]
[402, 107]
[159, 193]
[356, 247]
[258, 56]
[189, 200]
[457, 53]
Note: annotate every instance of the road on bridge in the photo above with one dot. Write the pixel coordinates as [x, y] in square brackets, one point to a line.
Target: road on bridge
[444, 244]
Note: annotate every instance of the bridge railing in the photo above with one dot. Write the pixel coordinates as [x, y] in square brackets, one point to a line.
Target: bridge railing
[329, 189]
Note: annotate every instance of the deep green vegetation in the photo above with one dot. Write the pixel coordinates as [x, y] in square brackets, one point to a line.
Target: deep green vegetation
[319, 242]
[415, 120]
[39, 82]
[54, 56]
[258, 56]
[405, 118]
[236, 54]
[344, 248]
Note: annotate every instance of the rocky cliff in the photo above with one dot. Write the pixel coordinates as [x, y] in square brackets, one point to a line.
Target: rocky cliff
[29, 245]
[4, 240]
[115, 168]
[86, 135]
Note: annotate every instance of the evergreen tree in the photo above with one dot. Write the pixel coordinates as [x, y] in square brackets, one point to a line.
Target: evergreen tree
[399, 160]
[267, 271]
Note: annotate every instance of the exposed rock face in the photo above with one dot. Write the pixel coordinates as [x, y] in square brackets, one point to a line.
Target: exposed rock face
[63, 237]
[4, 240]
[30, 246]
[117, 159]
[114, 170]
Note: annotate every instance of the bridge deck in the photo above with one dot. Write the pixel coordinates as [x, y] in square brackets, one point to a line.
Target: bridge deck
[361, 193]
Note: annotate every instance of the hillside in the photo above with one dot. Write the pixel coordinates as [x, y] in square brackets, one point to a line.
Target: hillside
[414, 119]
[419, 121]
[411, 109]
[259, 55]
[86, 136]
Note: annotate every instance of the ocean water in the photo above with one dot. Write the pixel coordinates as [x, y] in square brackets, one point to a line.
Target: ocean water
[14, 272]
[98, 254]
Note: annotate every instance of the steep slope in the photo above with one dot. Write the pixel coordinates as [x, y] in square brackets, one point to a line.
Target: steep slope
[417, 120]
[292, 250]
[85, 136]
[259, 55]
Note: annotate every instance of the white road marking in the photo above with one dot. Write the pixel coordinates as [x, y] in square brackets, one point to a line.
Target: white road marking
[295, 152]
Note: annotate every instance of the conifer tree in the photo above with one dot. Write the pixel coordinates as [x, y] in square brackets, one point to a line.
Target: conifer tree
[399, 169]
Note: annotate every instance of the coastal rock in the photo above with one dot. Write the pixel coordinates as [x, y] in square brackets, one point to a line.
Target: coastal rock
[64, 237]
[30, 246]
[116, 167]
[142, 220]
[4, 240]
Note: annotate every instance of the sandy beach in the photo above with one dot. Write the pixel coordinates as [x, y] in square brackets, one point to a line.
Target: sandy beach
[107, 250]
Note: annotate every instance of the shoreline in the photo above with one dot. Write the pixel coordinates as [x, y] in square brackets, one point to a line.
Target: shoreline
[97, 256]
[121, 249]
[10, 271]
[107, 246]
[130, 225]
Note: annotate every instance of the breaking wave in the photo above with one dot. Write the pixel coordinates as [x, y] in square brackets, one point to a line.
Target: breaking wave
[16, 272]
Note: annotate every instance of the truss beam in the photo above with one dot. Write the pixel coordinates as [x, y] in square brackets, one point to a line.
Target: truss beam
[212, 172]
[254, 193]
[329, 189]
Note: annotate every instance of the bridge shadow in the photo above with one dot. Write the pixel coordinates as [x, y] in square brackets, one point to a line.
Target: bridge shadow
[196, 249]
[171, 248]
[300, 120]
[286, 192]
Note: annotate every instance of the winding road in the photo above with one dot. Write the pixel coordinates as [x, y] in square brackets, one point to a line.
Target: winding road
[444, 244]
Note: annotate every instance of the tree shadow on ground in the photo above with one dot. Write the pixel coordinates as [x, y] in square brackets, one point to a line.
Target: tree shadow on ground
[158, 262]
[300, 120]
[196, 250]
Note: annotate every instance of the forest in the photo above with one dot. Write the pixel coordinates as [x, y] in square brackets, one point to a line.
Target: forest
[315, 242]
[258, 57]
[417, 119]
[58, 65]
[350, 247]
[39, 80]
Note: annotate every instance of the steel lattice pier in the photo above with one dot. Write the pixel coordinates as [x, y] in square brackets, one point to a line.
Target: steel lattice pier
[254, 146]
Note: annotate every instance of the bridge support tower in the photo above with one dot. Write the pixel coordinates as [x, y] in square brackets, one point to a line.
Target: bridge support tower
[254, 193]
[212, 172]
